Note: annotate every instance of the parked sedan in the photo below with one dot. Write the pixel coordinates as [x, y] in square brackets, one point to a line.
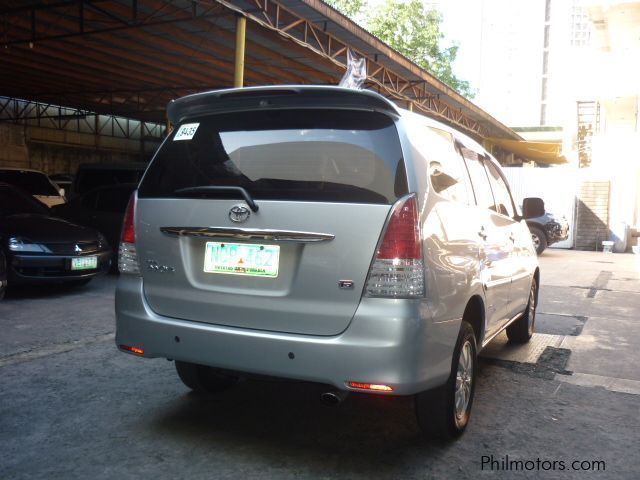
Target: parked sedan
[40, 248]
[546, 230]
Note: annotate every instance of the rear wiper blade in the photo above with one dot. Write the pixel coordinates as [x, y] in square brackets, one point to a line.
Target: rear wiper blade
[221, 188]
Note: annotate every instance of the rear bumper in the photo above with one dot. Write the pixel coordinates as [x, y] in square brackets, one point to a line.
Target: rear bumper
[28, 269]
[390, 342]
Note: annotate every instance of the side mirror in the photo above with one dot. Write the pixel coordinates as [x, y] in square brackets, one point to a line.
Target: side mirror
[532, 207]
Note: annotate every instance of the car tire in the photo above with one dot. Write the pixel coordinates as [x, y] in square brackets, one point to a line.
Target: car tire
[539, 239]
[203, 379]
[521, 330]
[443, 413]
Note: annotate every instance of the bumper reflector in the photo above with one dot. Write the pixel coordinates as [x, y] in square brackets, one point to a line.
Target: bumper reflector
[136, 350]
[370, 386]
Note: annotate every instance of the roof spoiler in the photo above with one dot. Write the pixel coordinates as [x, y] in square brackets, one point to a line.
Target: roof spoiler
[274, 98]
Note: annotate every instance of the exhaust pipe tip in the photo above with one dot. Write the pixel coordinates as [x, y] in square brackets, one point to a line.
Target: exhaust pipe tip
[334, 398]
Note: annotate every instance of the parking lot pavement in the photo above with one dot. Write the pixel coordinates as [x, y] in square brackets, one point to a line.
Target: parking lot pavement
[72, 406]
[604, 295]
[39, 319]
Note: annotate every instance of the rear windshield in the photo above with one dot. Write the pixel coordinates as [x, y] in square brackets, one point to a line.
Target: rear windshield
[13, 202]
[299, 155]
[90, 178]
[34, 183]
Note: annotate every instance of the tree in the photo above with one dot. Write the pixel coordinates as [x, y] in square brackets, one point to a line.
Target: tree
[413, 30]
[351, 8]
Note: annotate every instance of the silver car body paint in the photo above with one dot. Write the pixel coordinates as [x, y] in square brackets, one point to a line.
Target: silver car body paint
[336, 334]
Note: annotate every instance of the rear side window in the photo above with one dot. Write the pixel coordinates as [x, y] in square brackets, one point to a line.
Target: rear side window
[34, 183]
[15, 203]
[447, 172]
[479, 179]
[298, 155]
[504, 204]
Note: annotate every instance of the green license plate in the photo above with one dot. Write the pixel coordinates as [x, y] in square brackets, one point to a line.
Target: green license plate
[242, 259]
[84, 263]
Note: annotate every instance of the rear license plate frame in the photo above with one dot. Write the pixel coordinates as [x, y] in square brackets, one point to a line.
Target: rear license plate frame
[220, 258]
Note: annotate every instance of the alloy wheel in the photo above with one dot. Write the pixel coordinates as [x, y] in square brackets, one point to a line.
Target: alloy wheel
[464, 380]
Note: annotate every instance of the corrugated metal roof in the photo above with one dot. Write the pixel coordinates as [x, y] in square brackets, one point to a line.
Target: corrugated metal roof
[130, 58]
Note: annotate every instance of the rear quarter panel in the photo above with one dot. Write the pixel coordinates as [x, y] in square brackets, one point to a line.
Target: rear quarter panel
[450, 246]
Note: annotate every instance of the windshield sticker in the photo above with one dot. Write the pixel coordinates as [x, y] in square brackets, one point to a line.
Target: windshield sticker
[186, 131]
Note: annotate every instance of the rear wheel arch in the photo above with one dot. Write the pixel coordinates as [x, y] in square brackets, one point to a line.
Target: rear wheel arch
[474, 315]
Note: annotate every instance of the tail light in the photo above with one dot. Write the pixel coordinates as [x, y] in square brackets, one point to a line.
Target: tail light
[397, 270]
[127, 255]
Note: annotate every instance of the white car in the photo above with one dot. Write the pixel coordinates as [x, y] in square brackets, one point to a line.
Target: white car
[35, 183]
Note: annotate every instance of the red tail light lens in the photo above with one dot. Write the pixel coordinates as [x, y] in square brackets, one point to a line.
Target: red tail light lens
[127, 254]
[397, 270]
[402, 237]
[128, 226]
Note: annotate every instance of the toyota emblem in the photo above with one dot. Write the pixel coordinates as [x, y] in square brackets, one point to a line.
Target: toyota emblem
[239, 213]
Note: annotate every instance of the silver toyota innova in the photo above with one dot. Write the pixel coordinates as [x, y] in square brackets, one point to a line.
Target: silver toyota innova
[324, 234]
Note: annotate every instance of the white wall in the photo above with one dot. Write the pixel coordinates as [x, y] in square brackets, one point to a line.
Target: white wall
[557, 186]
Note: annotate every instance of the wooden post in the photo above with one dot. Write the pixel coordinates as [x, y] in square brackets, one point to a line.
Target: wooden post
[241, 30]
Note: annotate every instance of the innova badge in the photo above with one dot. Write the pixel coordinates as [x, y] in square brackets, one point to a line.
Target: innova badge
[239, 213]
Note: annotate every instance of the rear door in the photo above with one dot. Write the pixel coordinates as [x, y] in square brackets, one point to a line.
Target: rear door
[518, 264]
[495, 255]
[323, 182]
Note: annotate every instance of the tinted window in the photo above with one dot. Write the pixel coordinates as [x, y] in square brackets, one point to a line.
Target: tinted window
[89, 200]
[479, 179]
[13, 203]
[314, 155]
[91, 178]
[34, 183]
[504, 204]
[113, 200]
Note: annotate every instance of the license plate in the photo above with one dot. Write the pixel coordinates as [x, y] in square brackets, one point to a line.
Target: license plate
[242, 259]
[84, 263]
